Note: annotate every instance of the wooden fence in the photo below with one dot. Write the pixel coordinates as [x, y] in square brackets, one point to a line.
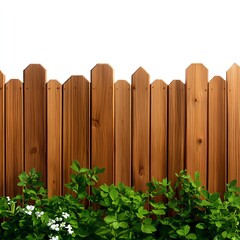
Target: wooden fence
[136, 131]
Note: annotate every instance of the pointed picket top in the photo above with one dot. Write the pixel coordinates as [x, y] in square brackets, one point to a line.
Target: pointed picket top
[176, 82]
[196, 71]
[51, 81]
[233, 67]
[216, 80]
[14, 82]
[159, 83]
[74, 79]
[102, 71]
[2, 77]
[140, 73]
[233, 73]
[35, 68]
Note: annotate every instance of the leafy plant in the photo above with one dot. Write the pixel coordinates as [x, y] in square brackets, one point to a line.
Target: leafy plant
[185, 211]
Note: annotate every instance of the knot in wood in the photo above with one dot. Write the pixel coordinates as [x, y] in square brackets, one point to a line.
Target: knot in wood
[34, 150]
[95, 123]
[199, 140]
[140, 172]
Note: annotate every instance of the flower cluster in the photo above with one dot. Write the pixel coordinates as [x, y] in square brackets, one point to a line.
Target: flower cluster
[28, 209]
[58, 224]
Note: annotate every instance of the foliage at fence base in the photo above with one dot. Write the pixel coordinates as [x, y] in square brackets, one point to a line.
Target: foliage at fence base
[118, 212]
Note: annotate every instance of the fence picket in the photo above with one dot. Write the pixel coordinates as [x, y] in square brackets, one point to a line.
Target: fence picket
[14, 135]
[233, 93]
[140, 129]
[217, 139]
[176, 129]
[2, 133]
[75, 124]
[54, 136]
[122, 115]
[196, 129]
[159, 130]
[102, 121]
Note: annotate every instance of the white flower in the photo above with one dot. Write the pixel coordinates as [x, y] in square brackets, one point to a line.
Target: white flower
[65, 215]
[55, 227]
[69, 228]
[58, 219]
[53, 238]
[30, 207]
[62, 224]
[39, 214]
[50, 222]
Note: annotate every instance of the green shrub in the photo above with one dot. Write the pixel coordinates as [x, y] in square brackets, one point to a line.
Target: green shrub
[188, 211]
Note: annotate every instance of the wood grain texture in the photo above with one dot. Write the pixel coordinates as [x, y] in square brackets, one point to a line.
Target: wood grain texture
[217, 136]
[233, 93]
[122, 110]
[2, 138]
[140, 129]
[75, 124]
[14, 135]
[35, 132]
[176, 129]
[102, 121]
[159, 130]
[196, 129]
[54, 136]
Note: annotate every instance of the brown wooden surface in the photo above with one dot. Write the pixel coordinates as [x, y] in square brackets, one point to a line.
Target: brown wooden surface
[217, 136]
[233, 93]
[75, 124]
[140, 129]
[54, 136]
[176, 129]
[122, 110]
[14, 135]
[196, 129]
[2, 133]
[159, 130]
[102, 121]
[35, 134]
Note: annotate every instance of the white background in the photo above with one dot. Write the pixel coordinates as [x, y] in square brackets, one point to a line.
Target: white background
[68, 37]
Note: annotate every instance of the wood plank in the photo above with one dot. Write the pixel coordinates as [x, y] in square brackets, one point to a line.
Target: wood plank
[75, 124]
[140, 129]
[14, 135]
[35, 133]
[176, 129]
[2, 133]
[217, 171]
[102, 121]
[122, 110]
[54, 136]
[196, 129]
[159, 130]
[233, 93]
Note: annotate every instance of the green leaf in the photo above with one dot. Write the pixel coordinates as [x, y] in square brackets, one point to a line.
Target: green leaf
[148, 228]
[158, 212]
[218, 224]
[113, 194]
[200, 226]
[75, 166]
[110, 218]
[224, 234]
[115, 225]
[191, 236]
[214, 197]
[104, 188]
[102, 231]
[123, 225]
